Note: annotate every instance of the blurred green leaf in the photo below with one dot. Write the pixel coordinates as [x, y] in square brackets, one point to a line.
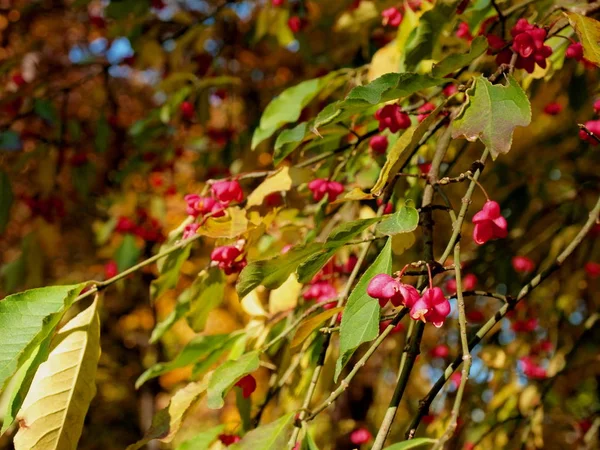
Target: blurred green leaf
[227, 374]
[128, 253]
[202, 440]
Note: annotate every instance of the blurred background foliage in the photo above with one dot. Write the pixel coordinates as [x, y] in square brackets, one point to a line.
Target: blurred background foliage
[112, 111]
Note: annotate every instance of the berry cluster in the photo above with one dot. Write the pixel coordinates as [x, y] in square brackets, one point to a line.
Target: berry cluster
[489, 223]
[392, 118]
[528, 44]
[229, 258]
[146, 227]
[322, 187]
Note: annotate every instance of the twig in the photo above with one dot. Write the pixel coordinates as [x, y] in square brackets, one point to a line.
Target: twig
[466, 354]
[482, 332]
[589, 133]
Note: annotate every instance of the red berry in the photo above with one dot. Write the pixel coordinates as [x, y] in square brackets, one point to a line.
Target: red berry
[489, 224]
[553, 109]
[592, 269]
[187, 110]
[18, 79]
[463, 32]
[360, 436]
[597, 106]
[440, 351]
[228, 439]
[228, 191]
[392, 17]
[110, 269]
[392, 118]
[277, 3]
[379, 144]
[575, 51]
[523, 264]
[247, 384]
[296, 24]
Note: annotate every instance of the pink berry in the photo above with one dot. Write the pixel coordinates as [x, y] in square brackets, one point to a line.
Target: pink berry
[392, 17]
[553, 109]
[379, 144]
[391, 117]
[247, 384]
[523, 264]
[360, 436]
[489, 223]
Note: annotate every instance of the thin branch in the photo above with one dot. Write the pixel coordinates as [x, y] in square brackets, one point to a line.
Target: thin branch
[482, 332]
[589, 133]
[466, 354]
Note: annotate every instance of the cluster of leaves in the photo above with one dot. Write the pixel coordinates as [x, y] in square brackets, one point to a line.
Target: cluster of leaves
[116, 110]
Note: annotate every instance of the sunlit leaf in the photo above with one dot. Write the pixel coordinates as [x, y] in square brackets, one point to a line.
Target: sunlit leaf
[231, 225]
[167, 422]
[360, 321]
[226, 375]
[285, 297]
[278, 182]
[273, 272]
[54, 409]
[492, 113]
[286, 107]
[268, 437]
[26, 319]
[202, 440]
[306, 328]
[588, 31]
[199, 348]
[405, 220]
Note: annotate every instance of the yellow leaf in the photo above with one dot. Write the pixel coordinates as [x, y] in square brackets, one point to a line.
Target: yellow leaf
[53, 411]
[385, 60]
[529, 399]
[355, 20]
[168, 421]
[402, 242]
[354, 194]
[494, 357]
[231, 225]
[252, 305]
[588, 31]
[285, 297]
[308, 326]
[279, 181]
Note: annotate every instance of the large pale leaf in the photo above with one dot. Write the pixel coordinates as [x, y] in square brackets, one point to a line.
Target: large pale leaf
[286, 108]
[231, 225]
[454, 62]
[360, 321]
[199, 348]
[405, 220]
[273, 272]
[588, 31]
[274, 435]
[26, 319]
[226, 375]
[54, 409]
[167, 422]
[278, 182]
[388, 87]
[492, 113]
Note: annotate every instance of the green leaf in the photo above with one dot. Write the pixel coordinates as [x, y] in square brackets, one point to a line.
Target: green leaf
[306, 328]
[413, 443]
[26, 319]
[46, 110]
[235, 345]
[273, 272]
[286, 108]
[128, 253]
[390, 86]
[62, 389]
[274, 435]
[360, 321]
[339, 236]
[226, 375]
[199, 348]
[288, 141]
[453, 63]
[402, 150]
[422, 41]
[167, 422]
[492, 113]
[203, 440]
[588, 31]
[21, 382]
[6, 200]
[405, 220]
[308, 443]
[208, 291]
[10, 140]
[169, 267]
